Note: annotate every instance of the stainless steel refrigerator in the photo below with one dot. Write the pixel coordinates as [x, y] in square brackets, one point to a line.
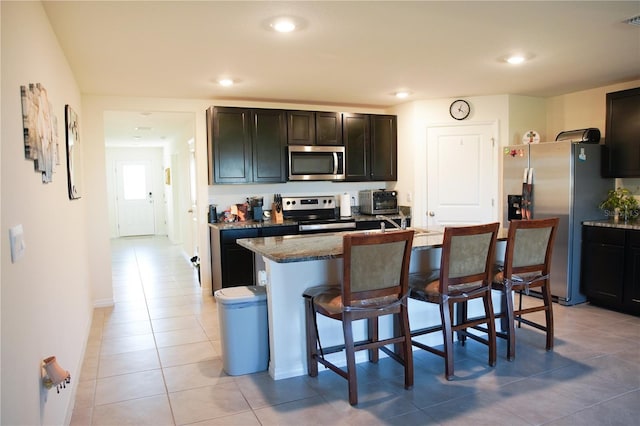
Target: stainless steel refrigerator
[565, 183]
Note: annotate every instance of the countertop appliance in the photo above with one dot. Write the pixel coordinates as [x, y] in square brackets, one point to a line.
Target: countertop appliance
[378, 201]
[312, 162]
[315, 214]
[557, 179]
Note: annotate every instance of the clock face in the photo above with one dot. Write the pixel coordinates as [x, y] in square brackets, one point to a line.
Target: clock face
[460, 109]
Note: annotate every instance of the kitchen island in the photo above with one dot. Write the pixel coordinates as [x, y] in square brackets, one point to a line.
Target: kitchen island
[290, 264]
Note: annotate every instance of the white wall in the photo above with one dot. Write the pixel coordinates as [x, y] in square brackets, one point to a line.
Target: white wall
[46, 296]
[415, 118]
[527, 113]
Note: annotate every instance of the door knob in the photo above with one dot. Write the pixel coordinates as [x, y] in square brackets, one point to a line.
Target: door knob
[432, 213]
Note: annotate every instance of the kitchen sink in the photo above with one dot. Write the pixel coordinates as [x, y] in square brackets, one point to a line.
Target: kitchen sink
[418, 232]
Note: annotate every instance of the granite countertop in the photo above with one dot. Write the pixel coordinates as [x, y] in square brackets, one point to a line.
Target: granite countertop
[300, 248]
[268, 223]
[620, 224]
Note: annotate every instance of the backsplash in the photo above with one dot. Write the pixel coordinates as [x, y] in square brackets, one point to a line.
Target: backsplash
[224, 196]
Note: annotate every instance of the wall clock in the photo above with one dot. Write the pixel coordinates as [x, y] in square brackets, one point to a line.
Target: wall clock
[460, 109]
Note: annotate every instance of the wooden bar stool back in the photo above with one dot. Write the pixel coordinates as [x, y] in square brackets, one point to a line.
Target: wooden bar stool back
[374, 284]
[527, 265]
[465, 273]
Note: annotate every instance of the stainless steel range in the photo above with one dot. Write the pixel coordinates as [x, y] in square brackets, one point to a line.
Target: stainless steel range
[315, 214]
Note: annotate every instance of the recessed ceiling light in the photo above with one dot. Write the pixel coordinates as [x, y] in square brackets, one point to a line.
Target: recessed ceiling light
[283, 25]
[226, 82]
[402, 94]
[515, 59]
[142, 128]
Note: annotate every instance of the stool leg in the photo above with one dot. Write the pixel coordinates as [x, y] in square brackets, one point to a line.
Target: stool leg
[407, 354]
[372, 332]
[351, 358]
[445, 316]
[491, 327]
[511, 326]
[548, 303]
[312, 338]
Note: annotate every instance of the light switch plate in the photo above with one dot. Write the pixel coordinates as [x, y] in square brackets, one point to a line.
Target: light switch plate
[16, 240]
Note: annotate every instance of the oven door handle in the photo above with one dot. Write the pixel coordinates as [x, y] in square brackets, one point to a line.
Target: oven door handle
[335, 163]
[325, 226]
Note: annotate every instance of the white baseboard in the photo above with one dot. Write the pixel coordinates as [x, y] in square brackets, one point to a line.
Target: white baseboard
[103, 303]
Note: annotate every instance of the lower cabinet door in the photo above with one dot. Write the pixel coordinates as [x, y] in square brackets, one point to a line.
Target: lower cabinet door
[237, 266]
[603, 272]
[632, 283]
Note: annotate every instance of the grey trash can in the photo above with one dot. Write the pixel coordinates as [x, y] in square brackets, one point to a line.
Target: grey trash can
[242, 313]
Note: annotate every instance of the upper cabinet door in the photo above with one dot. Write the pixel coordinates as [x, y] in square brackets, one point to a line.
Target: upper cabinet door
[328, 128]
[355, 135]
[301, 127]
[314, 128]
[229, 145]
[269, 138]
[384, 148]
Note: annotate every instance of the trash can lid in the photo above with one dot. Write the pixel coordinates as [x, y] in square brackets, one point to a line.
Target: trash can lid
[240, 294]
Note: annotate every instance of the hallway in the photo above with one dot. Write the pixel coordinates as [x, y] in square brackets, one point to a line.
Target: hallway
[154, 359]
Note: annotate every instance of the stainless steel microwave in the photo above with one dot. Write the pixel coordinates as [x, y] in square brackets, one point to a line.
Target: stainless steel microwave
[311, 162]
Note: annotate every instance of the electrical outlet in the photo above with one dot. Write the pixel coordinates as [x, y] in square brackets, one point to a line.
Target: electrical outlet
[409, 197]
[16, 240]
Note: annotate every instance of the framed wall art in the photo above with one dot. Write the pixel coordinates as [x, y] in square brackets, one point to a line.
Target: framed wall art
[40, 130]
[73, 152]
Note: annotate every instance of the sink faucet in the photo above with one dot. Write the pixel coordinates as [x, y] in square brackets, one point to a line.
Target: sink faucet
[403, 221]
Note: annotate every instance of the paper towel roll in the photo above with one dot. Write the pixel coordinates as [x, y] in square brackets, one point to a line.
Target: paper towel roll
[345, 205]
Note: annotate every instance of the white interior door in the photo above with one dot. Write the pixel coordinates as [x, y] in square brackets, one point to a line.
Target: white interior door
[462, 178]
[193, 198]
[135, 201]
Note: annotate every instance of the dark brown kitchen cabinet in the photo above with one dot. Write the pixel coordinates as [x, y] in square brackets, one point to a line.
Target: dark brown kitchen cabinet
[237, 262]
[233, 265]
[621, 153]
[610, 272]
[328, 128]
[246, 145]
[631, 289]
[314, 128]
[355, 134]
[269, 137]
[371, 147]
[384, 147]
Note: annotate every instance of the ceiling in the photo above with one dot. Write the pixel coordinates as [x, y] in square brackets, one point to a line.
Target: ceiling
[348, 53]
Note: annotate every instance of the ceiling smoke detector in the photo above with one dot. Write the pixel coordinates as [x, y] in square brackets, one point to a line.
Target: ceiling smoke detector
[633, 21]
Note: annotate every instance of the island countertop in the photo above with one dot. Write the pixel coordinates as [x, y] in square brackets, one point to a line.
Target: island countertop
[300, 248]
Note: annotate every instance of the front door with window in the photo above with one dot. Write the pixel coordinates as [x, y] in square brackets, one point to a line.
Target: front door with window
[135, 201]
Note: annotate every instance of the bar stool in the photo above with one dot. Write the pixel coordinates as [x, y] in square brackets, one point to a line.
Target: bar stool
[374, 284]
[465, 273]
[527, 265]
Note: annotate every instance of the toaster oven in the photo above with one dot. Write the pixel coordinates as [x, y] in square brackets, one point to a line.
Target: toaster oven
[378, 201]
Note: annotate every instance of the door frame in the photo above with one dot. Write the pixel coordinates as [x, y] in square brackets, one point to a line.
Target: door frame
[420, 207]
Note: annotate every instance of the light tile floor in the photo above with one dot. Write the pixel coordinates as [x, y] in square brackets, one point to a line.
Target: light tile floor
[154, 358]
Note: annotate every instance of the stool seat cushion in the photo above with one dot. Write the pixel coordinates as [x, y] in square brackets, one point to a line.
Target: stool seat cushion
[327, 300]
[426, 286]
